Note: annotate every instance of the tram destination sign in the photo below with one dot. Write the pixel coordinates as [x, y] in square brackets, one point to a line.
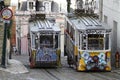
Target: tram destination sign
[95, 31]
[6, 14]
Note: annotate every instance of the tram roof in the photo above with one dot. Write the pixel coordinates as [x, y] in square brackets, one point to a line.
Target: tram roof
[44, 26]
[87, 22]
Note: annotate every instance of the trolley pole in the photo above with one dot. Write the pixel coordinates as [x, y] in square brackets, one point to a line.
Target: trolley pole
[3, 63]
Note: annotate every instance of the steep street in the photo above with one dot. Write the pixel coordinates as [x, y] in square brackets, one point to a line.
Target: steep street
[63, 73]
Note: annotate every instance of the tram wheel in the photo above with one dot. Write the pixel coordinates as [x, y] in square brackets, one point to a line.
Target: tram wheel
[75, 65]
[70, 61]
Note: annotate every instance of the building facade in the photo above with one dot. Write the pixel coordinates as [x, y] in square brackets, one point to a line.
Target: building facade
[25, 9]
[111, 16]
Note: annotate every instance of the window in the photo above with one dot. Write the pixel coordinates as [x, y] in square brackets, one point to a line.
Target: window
[46, 41]
[46, 4]
[95, 41]
[30, 5]
[105, 19]
[107, 41]
[56, 41]
[33, 41]
[36, 42]
[72, 33]
[84, 41]
[67, 27]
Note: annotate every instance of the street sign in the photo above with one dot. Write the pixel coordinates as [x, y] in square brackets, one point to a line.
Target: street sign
[6, 14]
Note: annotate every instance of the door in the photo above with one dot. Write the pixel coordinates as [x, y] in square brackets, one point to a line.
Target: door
[114, 41]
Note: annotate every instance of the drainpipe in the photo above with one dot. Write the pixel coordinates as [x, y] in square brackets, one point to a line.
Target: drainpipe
[100, 10]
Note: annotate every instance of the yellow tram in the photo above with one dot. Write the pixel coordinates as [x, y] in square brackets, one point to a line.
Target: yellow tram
[87, 43]
[43, 42]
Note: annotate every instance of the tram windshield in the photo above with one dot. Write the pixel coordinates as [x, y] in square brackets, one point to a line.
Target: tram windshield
[46, 41]
[95, 41]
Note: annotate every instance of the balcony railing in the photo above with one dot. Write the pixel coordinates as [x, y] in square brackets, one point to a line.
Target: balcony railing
[28, 13]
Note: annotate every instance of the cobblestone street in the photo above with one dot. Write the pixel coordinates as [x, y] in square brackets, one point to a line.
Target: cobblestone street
[63, 73]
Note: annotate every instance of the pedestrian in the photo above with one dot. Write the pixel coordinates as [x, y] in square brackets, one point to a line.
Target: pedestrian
[15, 50]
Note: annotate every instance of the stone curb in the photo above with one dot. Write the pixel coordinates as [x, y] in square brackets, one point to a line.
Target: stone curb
[15, 67]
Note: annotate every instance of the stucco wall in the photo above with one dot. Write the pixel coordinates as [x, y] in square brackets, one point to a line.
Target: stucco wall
[111, 9]
[22, 22]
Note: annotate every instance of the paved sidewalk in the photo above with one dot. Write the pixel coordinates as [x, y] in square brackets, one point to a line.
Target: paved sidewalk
[15, 67]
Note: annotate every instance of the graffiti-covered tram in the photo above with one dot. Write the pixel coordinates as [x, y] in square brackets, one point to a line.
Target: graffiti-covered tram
[87, 43]
[44, 43]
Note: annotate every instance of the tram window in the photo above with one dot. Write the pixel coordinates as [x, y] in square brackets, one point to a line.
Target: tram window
[83, 41]
[68, 27]
[72, 34]
[33, 41]
[46, 41]
[95, 41]
[56, 41]
[36, 42]
[107, 41]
